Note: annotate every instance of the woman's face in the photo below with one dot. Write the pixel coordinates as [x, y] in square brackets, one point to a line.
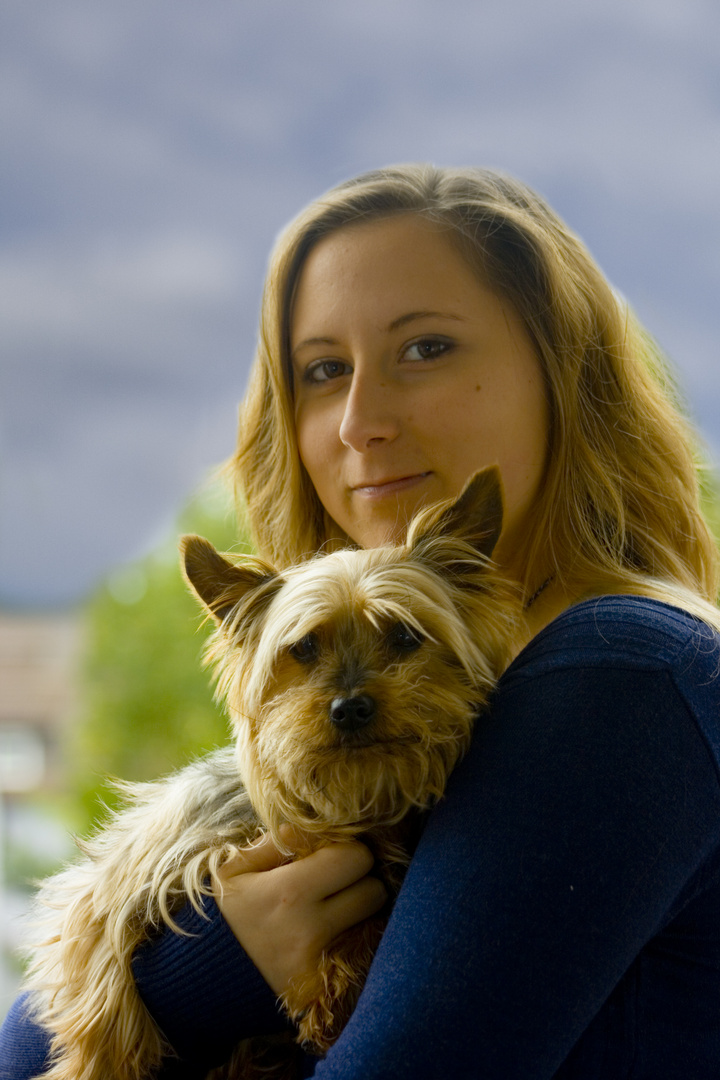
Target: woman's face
[410, 375]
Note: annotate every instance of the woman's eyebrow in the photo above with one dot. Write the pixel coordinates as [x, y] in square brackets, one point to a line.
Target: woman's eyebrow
[314, 341]
[411, 316]
[396, 324]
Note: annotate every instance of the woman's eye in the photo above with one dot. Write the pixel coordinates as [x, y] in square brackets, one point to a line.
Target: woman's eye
[324, 370]
[427, 348]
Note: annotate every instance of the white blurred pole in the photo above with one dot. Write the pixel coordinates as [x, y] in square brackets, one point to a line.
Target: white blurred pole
[3, 846]
[22, 768]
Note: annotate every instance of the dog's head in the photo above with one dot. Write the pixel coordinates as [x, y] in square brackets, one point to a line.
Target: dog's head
[353, 678]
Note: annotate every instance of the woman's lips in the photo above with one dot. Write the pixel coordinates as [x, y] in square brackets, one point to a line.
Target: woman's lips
[390, 487]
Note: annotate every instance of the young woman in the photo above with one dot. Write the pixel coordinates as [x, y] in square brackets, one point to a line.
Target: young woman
[560, 917]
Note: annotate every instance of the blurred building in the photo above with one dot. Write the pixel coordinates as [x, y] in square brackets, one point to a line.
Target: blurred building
[39, 658]
[38, 696]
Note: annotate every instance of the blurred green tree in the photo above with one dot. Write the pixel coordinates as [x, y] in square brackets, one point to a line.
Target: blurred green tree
[710, 497]
[147, 701]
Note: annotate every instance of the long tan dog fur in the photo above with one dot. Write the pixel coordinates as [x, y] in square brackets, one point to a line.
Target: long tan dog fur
[420, 632]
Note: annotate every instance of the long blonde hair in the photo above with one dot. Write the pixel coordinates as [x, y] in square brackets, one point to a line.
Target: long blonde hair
[619, 502]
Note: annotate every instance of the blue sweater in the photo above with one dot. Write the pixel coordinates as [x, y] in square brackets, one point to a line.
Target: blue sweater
[561, 916]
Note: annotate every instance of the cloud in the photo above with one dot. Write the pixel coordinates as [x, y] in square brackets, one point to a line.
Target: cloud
[152, 152]
[115, 294]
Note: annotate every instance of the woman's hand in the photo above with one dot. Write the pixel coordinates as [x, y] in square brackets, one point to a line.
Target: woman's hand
[284, 914]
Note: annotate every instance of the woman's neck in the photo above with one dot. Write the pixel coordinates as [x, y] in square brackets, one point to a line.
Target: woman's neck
[549, 601]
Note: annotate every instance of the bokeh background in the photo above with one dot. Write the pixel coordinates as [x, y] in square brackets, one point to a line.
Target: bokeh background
[150, 152]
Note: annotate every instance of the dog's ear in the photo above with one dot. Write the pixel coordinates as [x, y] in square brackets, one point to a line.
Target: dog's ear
[476, 515]
[220, 585]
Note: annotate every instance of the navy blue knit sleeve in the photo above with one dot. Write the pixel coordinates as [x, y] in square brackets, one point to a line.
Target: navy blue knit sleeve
[559, 918]
[24, 1045]
[202, 989]
[25, 1049]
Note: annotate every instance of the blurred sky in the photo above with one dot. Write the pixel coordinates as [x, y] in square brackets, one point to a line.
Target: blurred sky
[152, 149]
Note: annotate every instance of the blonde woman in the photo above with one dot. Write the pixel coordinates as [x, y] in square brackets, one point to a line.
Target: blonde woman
[560, 916]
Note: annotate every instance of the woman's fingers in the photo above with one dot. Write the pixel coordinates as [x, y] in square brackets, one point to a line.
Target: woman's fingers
[329, 870]
[316, 876]
[354, 904]
[257, 857]
[285, 913]
[333, 886]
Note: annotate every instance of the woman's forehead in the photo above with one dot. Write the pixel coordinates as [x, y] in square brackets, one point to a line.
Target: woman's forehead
[403, 266]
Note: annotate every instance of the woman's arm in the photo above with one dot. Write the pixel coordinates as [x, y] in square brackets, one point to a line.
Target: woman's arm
[207, 991]
[569, 837]
[201, 987]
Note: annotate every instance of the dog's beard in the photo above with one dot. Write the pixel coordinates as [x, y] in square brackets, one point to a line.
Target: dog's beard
[376, 784]
[307, 774]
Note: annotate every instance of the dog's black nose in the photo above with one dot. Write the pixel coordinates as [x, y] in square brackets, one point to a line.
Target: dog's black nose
[352, 713]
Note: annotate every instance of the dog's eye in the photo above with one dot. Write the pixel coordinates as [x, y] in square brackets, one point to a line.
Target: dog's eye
[306, 649]
[403, 638]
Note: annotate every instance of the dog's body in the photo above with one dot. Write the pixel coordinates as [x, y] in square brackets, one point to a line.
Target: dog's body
[352, 681]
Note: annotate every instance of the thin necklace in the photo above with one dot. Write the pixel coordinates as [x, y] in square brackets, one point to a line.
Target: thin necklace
[529, 603]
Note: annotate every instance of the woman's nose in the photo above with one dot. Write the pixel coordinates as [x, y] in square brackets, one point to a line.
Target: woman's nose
[370, 415]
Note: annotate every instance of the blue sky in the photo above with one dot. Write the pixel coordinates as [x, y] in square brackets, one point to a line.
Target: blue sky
[152, 149]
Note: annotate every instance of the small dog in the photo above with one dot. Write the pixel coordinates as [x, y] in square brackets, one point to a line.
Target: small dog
[352, 681]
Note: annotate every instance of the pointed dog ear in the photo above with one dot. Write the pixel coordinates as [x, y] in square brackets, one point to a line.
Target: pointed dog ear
[475, 517]
[219, 584]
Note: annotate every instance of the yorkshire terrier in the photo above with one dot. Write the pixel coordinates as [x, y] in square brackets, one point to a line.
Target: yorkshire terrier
[352, 681]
